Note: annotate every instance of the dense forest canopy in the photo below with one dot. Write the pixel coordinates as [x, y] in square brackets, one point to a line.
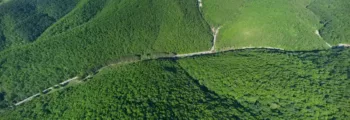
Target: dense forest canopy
[245, 84]
[96, 32]
[288, 85]
[23, 21]
[334, 15]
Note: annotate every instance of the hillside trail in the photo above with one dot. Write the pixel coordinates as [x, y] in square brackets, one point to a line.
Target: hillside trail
[215, 34]
[317, 32]
[48, 89]
[343, 45]
[211, 51]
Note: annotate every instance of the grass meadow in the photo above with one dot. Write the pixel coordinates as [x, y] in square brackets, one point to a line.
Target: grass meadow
[286, 24]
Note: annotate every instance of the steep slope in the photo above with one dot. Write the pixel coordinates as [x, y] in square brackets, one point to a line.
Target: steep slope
[85, 11]
[243, 84]
[22, 21]
[103, 31]
[151, 90]
[335, 18]
[285, 24]
[279, 85]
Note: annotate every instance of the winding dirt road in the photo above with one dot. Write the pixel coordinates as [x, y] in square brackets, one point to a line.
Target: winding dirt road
[46, 90]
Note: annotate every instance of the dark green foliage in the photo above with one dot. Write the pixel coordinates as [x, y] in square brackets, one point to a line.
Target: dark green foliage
[291, 85]
[82, 13]
[335, 17]
[145, 90]
[22, 21]
[97, 32]
[246, 84]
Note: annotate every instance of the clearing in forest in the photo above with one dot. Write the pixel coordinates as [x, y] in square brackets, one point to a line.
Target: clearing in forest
[266, 23]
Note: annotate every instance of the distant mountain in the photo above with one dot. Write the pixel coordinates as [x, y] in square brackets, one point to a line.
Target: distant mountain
[23, 21]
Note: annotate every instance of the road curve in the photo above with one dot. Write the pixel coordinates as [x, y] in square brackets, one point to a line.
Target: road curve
[46, 90]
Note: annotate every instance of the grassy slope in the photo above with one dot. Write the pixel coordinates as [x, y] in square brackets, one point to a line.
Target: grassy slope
[21, 22]
[334, 15]
[264, 23]
[150, 90]
[279, 85]
[223, 12]
[119, 28]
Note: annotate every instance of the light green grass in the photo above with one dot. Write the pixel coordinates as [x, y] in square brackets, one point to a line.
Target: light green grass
[286, 24]
[221, 12]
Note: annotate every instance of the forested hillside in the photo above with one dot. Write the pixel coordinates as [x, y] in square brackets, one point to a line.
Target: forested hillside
[96, 32]
[245, 84]
[288, 85]
[22, 21]
[335, 19]
[151, 90]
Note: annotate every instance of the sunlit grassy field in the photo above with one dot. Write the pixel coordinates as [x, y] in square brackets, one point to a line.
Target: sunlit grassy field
[286, 24]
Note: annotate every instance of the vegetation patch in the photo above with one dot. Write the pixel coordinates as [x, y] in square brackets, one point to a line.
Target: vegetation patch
[23, 21]
[334, 15]
[108, 49]
[150, 90]
[264, 23]
[97, 32]
[244, 84]
[279, 85]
